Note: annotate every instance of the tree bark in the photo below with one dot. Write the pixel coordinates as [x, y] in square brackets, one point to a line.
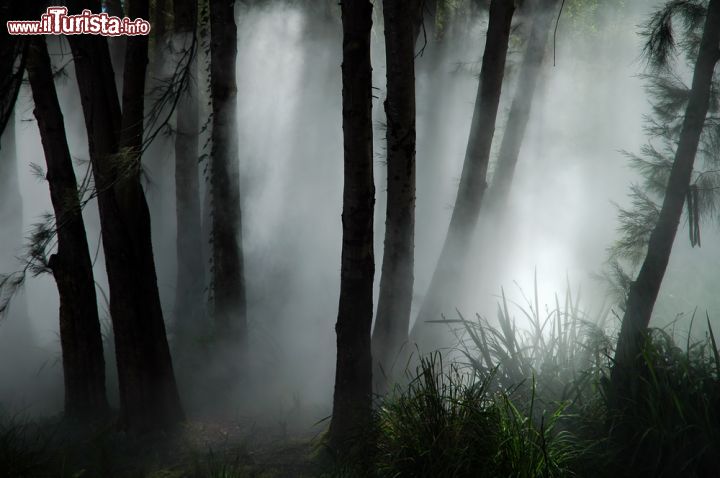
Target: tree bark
[542, 20]
[114, 8]
[161, 18]
[644, 291]
[396, 284]
[190, 265]
[148, 392]
[447, 277]
[80, 336]
[118, 44]
[228, 279]
[353, 375]
[160, 29]
[12, 59]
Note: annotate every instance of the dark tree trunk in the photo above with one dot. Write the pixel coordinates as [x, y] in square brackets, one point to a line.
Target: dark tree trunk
[449, 270]
[190, 265]
[644, 291]
[228, 279]
[159, 32]
[541, 15]
[114, 8]
[12, 58]
[148, 393]
[80, 336]
[353, 375]
[161, 18]
[396, 284]
[11, 201]
[116, 44]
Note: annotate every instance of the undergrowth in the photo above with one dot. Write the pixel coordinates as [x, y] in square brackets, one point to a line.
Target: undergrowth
[512, 400]
[535, 402]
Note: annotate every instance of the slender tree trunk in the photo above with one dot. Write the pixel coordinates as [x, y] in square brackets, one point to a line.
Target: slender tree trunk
[644, 291]
[396, 284]
[190, 265]
[449, 270]
[114, 8]
[11, 202]
[228, 279]
[148, 393]
[80, 337]
[12, 59]
[160, 26]
[353, 375]
[116, 44]
[541, 15]
[161, 18]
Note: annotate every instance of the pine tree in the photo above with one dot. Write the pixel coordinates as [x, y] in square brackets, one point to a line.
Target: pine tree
[680, 122]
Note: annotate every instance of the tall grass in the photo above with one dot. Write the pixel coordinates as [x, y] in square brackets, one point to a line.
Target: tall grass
[22, 448]
[448, 422]
[439, 425]
[670, 425]
[534, 401]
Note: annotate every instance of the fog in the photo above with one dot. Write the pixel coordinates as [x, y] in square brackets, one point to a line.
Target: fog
[561, 219]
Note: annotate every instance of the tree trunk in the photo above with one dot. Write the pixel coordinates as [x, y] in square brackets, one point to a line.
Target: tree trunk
[353, 375]
[542, 20]
[12, 59]
[644, 291]
[447, 277]
[114, 8]
[190, 265]
[396, 284]
[116, 44]
[228, 280]
[80, 336]
[161, 18]
[148, 393]
[159, 32]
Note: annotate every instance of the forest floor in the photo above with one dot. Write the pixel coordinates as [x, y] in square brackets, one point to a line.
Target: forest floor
[199, 449]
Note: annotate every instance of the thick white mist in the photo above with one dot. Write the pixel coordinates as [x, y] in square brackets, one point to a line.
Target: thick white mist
[560, 220]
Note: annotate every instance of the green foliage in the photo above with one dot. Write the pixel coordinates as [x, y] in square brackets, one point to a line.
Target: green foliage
[661, 35]
[450, 423]
[588, 20]
[530, 387]
[527, 449]
[214, 466]
[559, 350]
[22, 448]
[670, 425]
[439, 426]
[636, 225]
[674, 29]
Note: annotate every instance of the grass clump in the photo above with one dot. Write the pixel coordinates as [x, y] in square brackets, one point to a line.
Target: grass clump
[438, 426]
[525, 448]
[449, 422]
[23, 448]
[669, 425]
[536, 401]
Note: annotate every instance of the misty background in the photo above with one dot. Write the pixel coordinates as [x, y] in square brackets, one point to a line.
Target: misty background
[571, 174]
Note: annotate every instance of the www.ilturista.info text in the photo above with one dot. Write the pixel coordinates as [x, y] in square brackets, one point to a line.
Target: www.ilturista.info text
[56, 21]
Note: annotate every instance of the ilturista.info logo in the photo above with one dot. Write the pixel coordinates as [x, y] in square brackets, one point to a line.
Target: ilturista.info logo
[56, 21]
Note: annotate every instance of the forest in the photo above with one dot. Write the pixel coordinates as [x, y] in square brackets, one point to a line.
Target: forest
[359, 238]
